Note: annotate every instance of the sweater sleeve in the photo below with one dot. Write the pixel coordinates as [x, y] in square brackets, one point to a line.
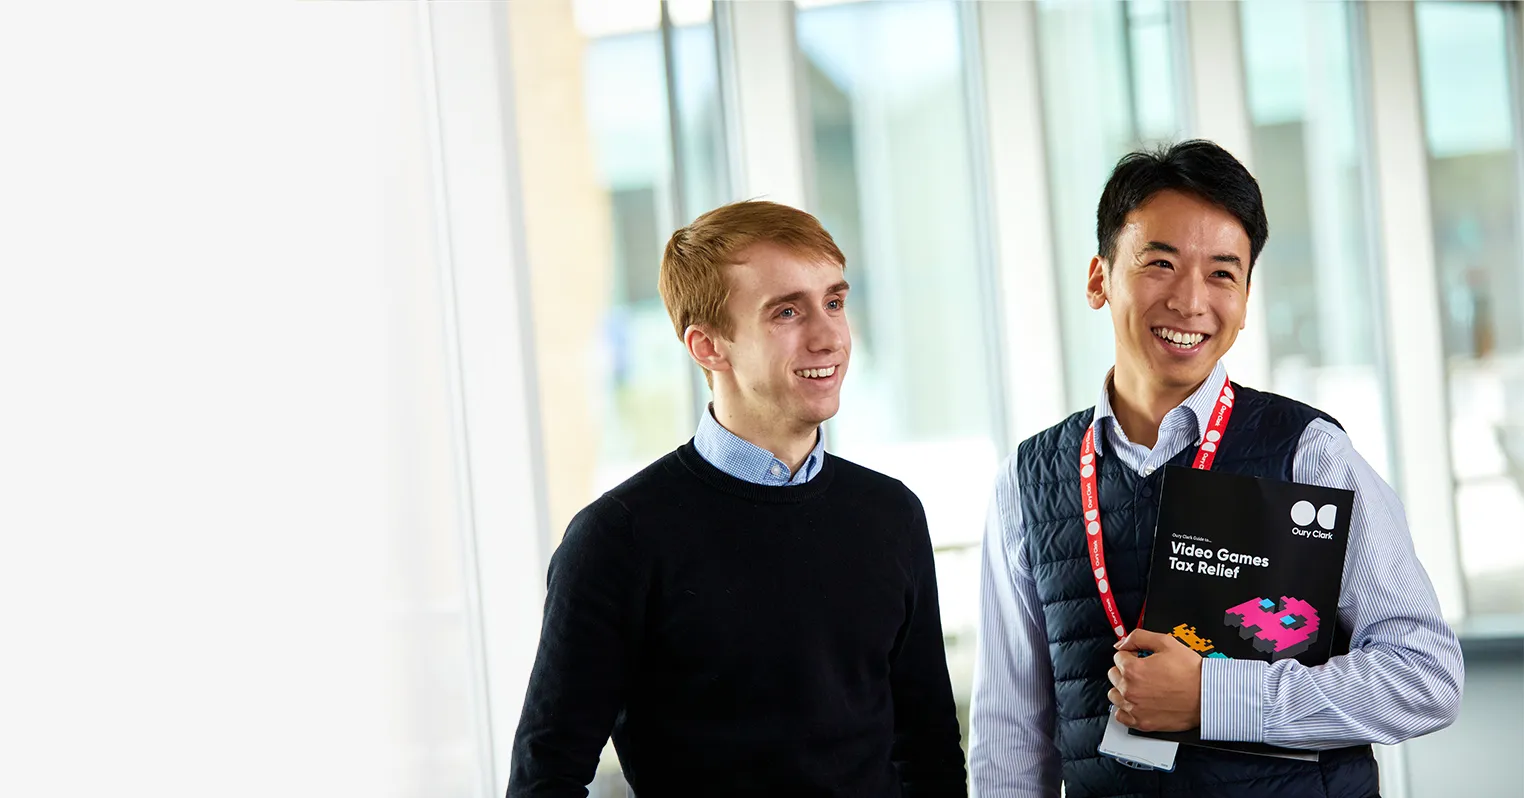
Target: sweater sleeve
[588, 641]
[926, 738]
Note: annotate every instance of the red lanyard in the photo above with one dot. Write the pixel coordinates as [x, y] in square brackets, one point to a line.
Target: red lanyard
[1091, 497]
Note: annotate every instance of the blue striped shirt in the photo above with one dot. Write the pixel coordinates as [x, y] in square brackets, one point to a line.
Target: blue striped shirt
[1401, 678]
[743, 459]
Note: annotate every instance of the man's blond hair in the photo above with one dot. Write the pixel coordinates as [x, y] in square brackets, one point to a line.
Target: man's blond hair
[692, 282]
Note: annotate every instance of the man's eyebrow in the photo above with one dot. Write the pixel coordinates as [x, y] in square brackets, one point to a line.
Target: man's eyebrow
[799, 296]
[1159, 246]
[785, 299]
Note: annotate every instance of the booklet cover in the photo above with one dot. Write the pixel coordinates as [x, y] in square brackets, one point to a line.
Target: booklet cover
[1247, 568]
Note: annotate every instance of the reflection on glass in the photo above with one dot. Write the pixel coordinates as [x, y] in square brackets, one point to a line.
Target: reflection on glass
[894, 183]
[1316, 271]
[1468, 107]
[1109, 81]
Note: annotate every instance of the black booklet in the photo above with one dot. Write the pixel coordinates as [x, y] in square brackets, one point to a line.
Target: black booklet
[1247, 568]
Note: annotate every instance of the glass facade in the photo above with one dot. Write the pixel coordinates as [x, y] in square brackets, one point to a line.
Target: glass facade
[1110, 78]
[1317, 273]
[890, 104]
[1470, 106]
[894, 182]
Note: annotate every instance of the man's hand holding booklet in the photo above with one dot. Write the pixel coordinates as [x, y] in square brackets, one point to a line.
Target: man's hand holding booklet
[1242, 568]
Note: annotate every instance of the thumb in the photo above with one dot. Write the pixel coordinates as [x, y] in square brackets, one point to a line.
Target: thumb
[1144, 640]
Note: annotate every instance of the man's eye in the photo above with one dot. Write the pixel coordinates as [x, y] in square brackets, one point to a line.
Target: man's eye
[1166, 264]
[787, 313]
[836, 304]
[1224, 273]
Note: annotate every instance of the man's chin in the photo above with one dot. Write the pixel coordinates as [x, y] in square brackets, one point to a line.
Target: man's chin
[1183, 376]
[817, 413]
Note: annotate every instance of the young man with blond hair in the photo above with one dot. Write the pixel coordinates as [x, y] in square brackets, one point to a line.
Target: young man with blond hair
[749, 615]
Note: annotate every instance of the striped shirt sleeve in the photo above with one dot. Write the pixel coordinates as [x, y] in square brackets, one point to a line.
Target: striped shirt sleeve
[1403, 675]
[1011, 751]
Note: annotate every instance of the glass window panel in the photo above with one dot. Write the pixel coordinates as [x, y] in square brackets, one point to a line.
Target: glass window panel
[894, 183]
[1150, 41]
[1316, 272]
[1468, 109]
[1109, 81]
[617, 389]
[596, 124]
[640, 394]
[895, 186]
[701, 138]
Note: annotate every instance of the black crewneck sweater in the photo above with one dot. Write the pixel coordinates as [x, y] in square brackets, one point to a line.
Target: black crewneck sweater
[743, 640]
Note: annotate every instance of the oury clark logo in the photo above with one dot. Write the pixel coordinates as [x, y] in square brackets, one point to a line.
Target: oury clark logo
[1304, 513]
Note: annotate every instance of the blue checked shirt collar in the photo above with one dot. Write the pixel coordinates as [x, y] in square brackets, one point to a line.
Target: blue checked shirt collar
[744, 460]
[1195, 410]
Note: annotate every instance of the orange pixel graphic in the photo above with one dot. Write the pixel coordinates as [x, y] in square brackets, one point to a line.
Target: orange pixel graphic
[1187, 635]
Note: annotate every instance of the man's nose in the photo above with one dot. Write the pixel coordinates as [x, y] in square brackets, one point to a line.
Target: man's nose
[1188, 297]
[827, 334]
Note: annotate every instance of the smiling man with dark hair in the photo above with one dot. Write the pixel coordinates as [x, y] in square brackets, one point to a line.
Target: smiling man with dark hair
[1178, 232]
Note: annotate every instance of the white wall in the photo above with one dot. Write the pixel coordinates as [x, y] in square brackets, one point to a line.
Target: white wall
[231, 506]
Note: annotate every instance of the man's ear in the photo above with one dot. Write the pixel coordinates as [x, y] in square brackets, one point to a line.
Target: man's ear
[705, 348]
[1095, 283]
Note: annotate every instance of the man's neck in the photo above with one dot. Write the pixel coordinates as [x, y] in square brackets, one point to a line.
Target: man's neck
[1141, 404]
[791, 446]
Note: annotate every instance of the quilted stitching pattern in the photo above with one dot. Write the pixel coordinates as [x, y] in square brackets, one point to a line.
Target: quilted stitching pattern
[1261, 440]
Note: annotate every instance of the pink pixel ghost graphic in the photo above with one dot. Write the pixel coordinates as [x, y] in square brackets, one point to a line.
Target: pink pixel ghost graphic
[1282, 631]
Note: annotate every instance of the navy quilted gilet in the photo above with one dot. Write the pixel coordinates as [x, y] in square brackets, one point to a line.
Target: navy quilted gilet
[1261, 440]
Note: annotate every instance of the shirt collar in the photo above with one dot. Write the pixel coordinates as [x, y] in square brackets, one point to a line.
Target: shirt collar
[745, 460]
[1198, 404]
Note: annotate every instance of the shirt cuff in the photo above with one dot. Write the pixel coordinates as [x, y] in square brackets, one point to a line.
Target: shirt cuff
[1231, 706]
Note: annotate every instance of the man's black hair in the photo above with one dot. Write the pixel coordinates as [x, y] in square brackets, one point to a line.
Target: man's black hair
[1197, 167]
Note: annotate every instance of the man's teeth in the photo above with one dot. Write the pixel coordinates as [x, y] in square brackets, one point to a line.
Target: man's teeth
[1179, 338]
[815, 374]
